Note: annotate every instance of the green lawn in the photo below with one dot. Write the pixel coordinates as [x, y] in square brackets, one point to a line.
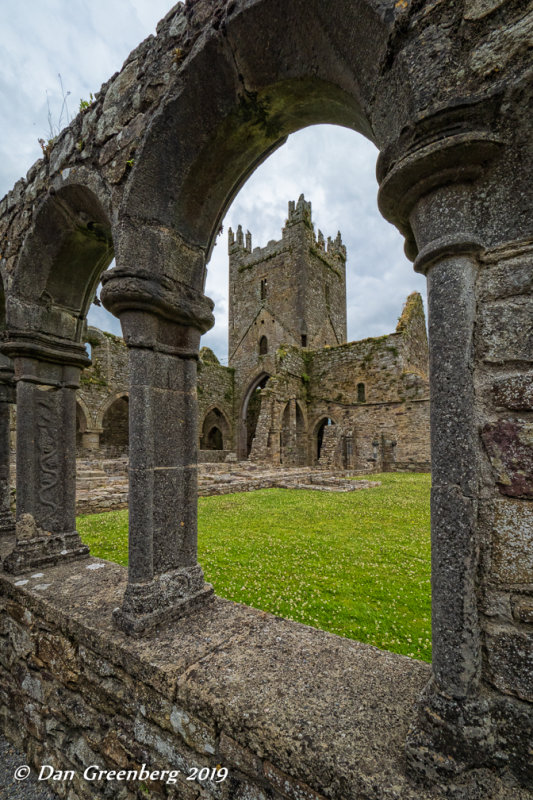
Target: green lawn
[355, 564]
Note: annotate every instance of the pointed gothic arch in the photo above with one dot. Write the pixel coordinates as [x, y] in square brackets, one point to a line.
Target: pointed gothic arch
[215, 431]
[250, 407]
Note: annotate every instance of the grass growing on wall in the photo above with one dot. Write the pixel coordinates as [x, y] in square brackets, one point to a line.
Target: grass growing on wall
[355, 564]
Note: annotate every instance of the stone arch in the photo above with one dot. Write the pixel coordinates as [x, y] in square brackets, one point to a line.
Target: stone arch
[83, 414]
[249, 415]
[215, 127]
[215, 418]
[106, 405]
[114, 421]
[451, 130]
[71, 242]
[317, 438]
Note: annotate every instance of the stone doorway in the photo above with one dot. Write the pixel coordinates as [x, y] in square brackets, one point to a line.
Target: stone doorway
[115, 436]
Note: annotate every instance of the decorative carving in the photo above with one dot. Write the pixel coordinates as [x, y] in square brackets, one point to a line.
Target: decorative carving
[48, 425]
[161, 295]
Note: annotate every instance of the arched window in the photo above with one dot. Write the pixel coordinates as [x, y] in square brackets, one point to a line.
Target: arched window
[361, 393]
[263, 346]
[215, 431]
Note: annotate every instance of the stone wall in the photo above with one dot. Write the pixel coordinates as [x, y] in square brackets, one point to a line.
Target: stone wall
[388, 429]
[506, 314]
[101, 423]
[101, 420]
[216, 389]
[292, 713]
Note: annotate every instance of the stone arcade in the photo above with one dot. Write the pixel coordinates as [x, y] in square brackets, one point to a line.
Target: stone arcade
[146, 173]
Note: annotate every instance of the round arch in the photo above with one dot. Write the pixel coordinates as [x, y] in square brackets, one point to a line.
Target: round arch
[83, 415]
[70, 240]
[215, 126]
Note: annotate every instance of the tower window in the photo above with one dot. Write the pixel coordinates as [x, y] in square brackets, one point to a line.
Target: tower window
[361, 393]
[304, 340]
[264, 287]
[263, 346]
[326, 292]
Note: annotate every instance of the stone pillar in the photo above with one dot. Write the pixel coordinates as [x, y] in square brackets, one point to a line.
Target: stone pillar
[165, 580]
[46, 377]
[90, 440]
[7, 396]
[437, 186]
[451, 268]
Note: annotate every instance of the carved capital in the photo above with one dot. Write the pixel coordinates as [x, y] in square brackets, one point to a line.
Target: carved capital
[45, 359]
[463, 243]
[453, 145]
[125, 290]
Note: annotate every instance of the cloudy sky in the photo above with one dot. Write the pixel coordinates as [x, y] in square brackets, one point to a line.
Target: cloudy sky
[86, 41]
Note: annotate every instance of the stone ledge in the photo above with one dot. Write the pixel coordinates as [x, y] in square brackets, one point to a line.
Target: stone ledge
[307, 710]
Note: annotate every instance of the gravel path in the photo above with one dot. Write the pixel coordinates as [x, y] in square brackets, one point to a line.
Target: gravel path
[10, 789]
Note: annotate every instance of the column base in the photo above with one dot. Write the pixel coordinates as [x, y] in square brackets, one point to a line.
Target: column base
[166, 598]
[38, 548]
[465, 743]
[7, 524]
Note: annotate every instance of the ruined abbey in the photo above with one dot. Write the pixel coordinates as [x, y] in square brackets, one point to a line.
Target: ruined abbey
[295, 392]
[103, 665]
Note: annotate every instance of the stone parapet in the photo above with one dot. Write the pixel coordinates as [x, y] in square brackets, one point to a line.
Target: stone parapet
[289, 711]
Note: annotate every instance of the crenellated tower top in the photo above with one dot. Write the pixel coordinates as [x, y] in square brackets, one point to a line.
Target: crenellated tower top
[292, 291]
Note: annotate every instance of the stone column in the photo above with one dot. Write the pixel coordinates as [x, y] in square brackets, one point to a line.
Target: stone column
[7, 396]
[165, 580]
[90, 440]
[451, 268]
[46, 377]
[426, 189]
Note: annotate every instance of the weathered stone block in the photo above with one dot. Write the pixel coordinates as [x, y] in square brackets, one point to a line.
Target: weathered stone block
[506, 331]
[20, 614]
[522, 608]
[20, 640]
[508, 528]
[510, 661]
[59, 656]
[197, 734]
[515, 393]
[234, 753]
[509, 444]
